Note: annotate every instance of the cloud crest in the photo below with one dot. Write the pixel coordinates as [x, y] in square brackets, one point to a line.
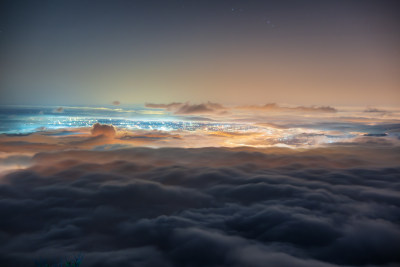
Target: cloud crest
[103, 130]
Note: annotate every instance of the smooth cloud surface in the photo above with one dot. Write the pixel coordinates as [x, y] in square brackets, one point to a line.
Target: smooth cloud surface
[205, 207]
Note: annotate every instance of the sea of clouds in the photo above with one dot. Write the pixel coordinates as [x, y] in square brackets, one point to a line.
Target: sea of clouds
[332, 206]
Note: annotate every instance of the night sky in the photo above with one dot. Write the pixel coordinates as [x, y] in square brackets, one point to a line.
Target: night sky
[232, 52]
[213, 133]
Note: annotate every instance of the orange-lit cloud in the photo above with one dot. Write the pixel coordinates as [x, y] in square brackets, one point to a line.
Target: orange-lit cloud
[103, 129]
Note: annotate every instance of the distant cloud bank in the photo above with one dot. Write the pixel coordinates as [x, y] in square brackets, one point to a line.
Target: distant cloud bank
[210, 107]
[276, 107]
[187, 108]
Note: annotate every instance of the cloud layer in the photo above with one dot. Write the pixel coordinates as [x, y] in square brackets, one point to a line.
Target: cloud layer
[216, 108]
[205, 207]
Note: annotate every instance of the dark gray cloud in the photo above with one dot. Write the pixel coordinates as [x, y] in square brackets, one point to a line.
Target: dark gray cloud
[375, 110]
[377, 135]
[208, 107]
[15, 159]
[275, 107]
[187, 108]
[204, 207]
[59, 110]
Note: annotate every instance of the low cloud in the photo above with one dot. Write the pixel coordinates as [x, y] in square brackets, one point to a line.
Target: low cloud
[375, 110]
[148, 135]
[103, 129]
[59, 110]
[305, 135]
[376, 135]
[187, 108]
[116, 103]
[204, 207]
[275, 107]
[13, 161]
[327, 109]
[208, 107]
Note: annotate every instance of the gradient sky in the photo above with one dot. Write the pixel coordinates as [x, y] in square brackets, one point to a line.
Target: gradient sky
[233, 52]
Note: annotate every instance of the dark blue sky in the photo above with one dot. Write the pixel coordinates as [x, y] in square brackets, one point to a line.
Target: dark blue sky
[298, 52]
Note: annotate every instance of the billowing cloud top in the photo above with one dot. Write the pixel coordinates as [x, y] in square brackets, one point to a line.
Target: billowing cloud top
[103, 129]
[204, 207]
